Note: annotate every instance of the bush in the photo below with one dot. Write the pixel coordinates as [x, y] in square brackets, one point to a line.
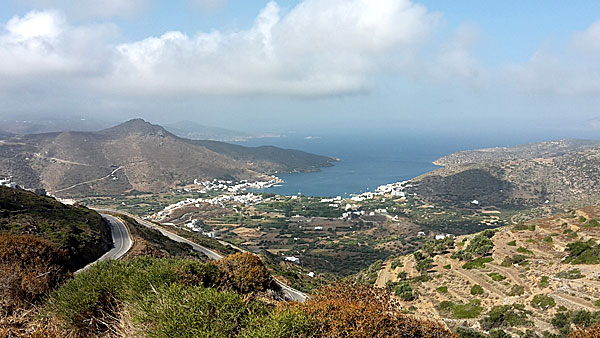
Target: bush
[404, 291]
[30, 268]
[570, 274]
[480, 245]
[178, 311]
[512, 243]
[542, 302]
[442, 289]
[476, 290]
[470, 310]
[478, 263]
[343, 310]
[583, 253]
[517, 290]
[544, 282]
[506, 316]
[496, 277]
[243, 272]
[525, 251]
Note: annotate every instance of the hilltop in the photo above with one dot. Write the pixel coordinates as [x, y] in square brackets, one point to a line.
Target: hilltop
[137, 156]
[541, 275]
[521, 177]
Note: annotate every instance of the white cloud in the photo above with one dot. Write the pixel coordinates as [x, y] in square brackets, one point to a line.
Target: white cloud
[317, 48]
[588, 40]
[42, 43]
[575, 71]
[455, 60]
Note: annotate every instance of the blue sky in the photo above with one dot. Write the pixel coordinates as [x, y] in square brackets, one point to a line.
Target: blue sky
[312, 66]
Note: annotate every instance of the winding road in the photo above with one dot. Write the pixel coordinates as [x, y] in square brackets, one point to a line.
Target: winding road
[121, 241]
[290, 293]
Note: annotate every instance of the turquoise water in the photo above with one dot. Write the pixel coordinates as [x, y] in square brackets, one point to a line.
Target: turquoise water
[365, 163]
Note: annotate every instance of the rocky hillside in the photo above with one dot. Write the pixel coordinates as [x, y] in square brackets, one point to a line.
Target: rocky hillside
[521, 177]
[521, 152]
[137, 155]
[542, 276]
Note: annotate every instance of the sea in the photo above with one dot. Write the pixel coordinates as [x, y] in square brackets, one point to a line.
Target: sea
[367, 162]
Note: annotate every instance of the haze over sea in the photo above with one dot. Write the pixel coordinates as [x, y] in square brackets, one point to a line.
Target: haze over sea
[368, 162]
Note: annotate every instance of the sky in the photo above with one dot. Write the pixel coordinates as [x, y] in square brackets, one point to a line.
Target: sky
[313, 66]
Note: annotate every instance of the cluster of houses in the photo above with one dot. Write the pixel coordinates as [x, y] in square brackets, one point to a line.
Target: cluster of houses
[246, 199]
[234, 187]
[7, 182]
[196, 226]
[394, 189]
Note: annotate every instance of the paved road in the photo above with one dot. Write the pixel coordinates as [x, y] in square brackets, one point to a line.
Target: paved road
[121, 240]
[290, 293]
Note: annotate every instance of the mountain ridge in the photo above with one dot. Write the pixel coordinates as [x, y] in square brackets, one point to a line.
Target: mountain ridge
[138, 156]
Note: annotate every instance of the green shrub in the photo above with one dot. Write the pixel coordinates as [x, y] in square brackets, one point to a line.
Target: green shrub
[517, 290]
[281, 323]
[397, 263]
[404, 291]
[522, 227]
[446, 307]
[442, 289]
[506, 316]
[476, 290]
[470, 310]
[447, 267]
[583, 253]
[544, 282]
[177, 311]
[597, 303]
[525, 251]
[480, 245]
[478, 263]
[548, 239]
[542, 302]
[496, 277]
[570, 274]
[512, 243]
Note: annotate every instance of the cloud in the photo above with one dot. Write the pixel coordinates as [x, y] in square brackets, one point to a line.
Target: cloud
[573, 72]
[92, 8]
[42, 43]
[455, 59]
[317, 48]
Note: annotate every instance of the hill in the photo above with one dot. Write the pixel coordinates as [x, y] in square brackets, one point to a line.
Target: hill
[137, 156]
[522, 177]
[541, 275]
[81, 232]
[521, 152]
[196, 131]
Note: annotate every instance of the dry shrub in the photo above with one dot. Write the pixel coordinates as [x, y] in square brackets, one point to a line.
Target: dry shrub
[29, 268]
[353, 311]
[590, 332]
[244, 273]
